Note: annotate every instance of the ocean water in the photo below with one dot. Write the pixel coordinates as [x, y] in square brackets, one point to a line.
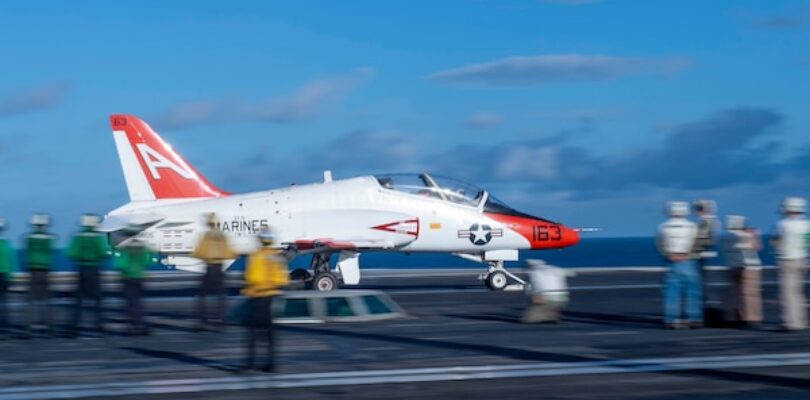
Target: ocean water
[590, 252]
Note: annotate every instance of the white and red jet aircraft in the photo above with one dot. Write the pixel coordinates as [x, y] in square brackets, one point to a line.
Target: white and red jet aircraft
[396, 212]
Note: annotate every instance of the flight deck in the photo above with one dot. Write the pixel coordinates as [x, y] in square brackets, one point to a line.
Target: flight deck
[458, 340]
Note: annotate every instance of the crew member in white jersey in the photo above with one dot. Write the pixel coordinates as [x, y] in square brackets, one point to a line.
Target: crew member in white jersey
[675, 240]
[791, 243]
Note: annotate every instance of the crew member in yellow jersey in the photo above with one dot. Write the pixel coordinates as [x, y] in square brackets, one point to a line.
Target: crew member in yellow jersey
[215, 250]
[265, 275]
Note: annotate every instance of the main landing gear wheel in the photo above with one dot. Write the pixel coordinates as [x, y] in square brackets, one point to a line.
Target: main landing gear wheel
[496, 280]
[324, 282]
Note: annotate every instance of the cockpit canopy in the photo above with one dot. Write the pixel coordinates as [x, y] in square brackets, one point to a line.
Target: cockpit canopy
[433, 186]
[448, 189]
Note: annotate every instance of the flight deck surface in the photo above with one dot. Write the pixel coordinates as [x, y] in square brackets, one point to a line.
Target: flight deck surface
[459, 341]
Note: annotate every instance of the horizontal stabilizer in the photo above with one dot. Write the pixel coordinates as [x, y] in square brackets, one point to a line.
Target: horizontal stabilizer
[114, 223]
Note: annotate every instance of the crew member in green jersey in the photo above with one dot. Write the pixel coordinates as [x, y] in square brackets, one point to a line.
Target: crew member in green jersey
[39, 259]
[133, 257]
[7, 262]
[88, 250]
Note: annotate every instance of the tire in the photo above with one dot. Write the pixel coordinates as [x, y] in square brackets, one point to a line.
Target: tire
[497, 281]
[299, 274]
[324, 282]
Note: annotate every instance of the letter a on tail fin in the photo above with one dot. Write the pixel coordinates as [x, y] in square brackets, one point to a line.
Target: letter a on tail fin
[152, 169]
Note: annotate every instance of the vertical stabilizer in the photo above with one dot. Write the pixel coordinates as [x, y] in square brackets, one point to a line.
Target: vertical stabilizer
[152, 169]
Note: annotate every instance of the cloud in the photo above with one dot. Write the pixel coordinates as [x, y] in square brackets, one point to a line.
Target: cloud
[714, 152]
[304, 103]
[800, 19]
[783, 22]
[571, 2]
[725, 150]
[34, 99]
[194, 113]
[379, 150]
[354, 153]
[734, 156]
[507, 162]
[482, 120]
[558, 68]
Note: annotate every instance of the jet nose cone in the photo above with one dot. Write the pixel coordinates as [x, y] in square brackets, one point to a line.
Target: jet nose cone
[570, 236]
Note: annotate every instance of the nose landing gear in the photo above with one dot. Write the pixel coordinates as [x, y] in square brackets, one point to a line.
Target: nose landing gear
[497, 278]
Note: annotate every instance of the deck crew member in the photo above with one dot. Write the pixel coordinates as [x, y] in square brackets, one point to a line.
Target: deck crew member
[791, 243]
[133, 257]
[39, 259]
[675, 240]
[741, 245]
[705, 243]
[88, 250]
[547, 290]
[214, 249]
[7, 263]
[265, 275]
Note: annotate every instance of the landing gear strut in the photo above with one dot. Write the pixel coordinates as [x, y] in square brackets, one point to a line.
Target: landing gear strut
[497, 278]
[323, 279]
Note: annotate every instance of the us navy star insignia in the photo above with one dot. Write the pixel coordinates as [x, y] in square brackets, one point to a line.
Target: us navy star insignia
[480, 234]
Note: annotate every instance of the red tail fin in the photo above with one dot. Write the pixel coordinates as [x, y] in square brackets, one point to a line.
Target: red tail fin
[152, 169]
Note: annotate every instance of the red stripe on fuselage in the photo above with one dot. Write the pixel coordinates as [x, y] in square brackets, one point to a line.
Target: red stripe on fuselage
[394, 227]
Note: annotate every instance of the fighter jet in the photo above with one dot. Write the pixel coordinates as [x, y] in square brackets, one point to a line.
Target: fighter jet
[347, 217]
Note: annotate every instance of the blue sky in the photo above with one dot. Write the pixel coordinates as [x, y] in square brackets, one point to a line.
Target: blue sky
[589, 112]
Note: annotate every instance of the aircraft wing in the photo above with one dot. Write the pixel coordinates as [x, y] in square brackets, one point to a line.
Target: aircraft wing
[113, 223]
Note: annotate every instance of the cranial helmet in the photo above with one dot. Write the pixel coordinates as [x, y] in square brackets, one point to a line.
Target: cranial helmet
[89, 220]
[535, 264]
[677, 209]
[266, 236]
[735, 222]
[796, 205]
[40, 220]
[211, 219]
[707, 206]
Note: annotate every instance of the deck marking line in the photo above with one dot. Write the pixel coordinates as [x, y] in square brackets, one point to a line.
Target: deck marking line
[435, 374]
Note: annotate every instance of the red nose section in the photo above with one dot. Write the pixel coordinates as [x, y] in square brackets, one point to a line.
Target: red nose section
[571, 237]
[540, 233]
